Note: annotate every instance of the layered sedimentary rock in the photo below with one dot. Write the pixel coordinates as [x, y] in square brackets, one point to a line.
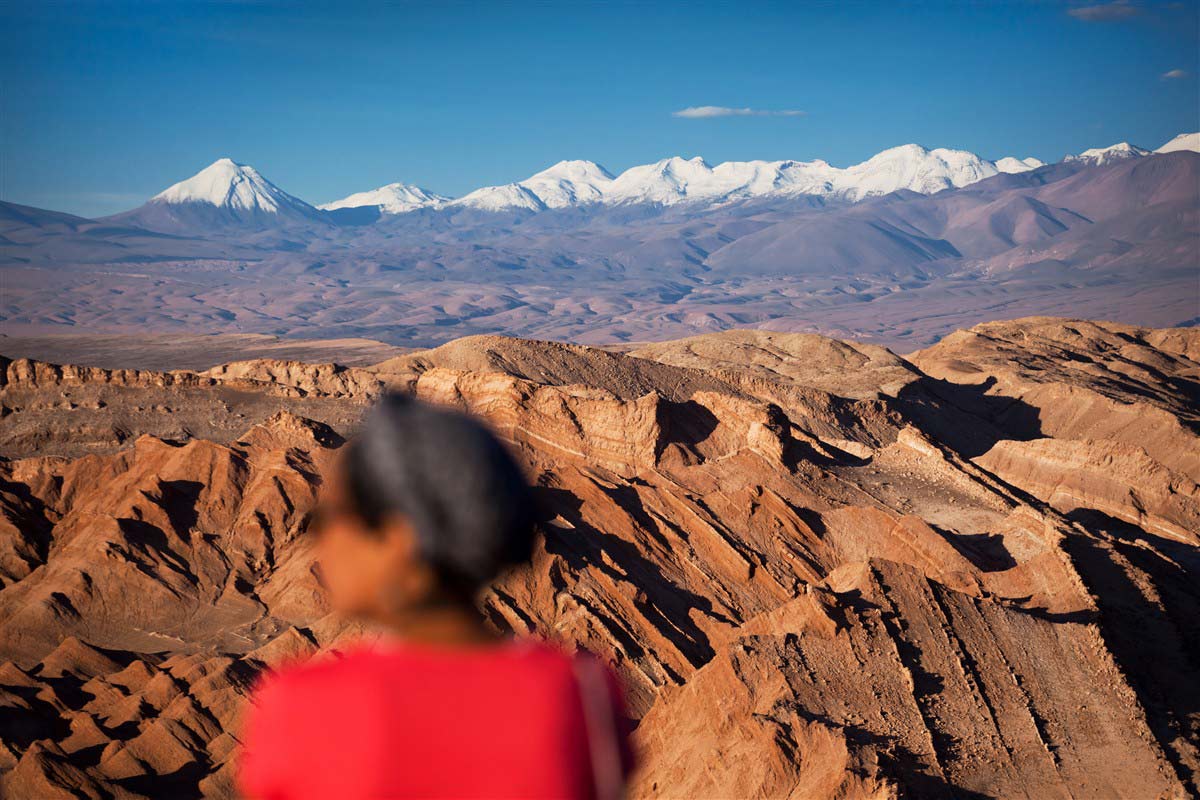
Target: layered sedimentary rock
[821, 570]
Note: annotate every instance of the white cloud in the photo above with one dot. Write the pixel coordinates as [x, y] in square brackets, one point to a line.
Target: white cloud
[1105, 12]
[706, 112]
[1174, 74]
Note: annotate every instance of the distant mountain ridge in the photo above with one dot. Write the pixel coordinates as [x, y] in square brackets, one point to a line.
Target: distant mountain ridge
[1116, 240]
[228, 193]
[567, 183]
[395, 198]
[677, 180]
[1107, 155]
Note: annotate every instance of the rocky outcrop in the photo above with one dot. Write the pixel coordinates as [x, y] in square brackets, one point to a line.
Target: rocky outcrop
[328, 380]
[1111, 478]
[1075, 379]
[847, 369]
[50, 409]
[880, 670]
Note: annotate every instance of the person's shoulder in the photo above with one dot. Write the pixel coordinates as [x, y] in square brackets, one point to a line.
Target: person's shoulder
[310, 675]
[555, 655]
[557, 666]
[289, 710]
[544, 654]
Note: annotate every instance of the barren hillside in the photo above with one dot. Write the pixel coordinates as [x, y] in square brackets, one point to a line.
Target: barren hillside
[821, 569]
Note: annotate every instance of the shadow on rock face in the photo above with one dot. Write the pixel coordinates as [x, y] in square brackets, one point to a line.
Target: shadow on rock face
[965, 417]
[664, 604]
[180, 500]
[183, 783]
[688, 424]
[1147, 603]
[986, 551]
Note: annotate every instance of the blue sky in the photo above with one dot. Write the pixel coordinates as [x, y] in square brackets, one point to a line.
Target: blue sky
[103, 105]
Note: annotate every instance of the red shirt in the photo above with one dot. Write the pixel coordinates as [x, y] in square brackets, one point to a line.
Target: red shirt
[400, 721]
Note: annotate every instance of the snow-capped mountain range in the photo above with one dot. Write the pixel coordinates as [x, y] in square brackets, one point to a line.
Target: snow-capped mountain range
[678, 180]
[1108, 155]
[238, 188]
[395, 198]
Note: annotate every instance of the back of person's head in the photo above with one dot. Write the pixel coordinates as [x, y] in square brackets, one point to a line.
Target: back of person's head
[451, 481]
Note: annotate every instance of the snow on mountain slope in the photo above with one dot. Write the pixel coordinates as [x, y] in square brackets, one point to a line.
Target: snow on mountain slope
[669, 181]
[678, 180]
[501, 198]
[1012, 165]
[912, 167]
[757, 178]
[1099, 156]
[395, 198]
[569, 183]
[225, 194]
[239, 190]
[675, 180]
[227, 184]
[1184, 141]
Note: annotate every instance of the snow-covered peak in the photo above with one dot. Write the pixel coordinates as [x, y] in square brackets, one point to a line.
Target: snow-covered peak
[676, 169]
[227, 184]
[1012, 165]
[668, 181]
[569, 183]
[679, 180]
[736, 179]
[692, 180]
[902, 152]
[1099, 156]
[395, 198]
[578, 171]
[912, 167]
[500, 198]
[1184, 141]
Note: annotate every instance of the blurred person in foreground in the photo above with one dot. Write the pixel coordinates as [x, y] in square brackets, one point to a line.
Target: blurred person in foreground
[426, 508]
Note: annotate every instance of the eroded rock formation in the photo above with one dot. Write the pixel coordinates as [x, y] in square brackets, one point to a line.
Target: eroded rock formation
[822, 570]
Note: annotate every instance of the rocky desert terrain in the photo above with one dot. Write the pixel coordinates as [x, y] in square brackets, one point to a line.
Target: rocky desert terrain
[821, 569]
